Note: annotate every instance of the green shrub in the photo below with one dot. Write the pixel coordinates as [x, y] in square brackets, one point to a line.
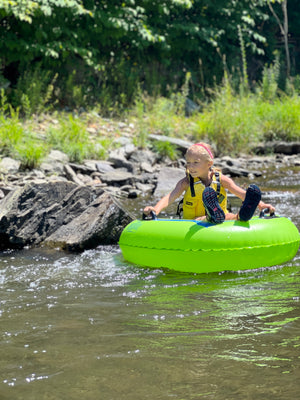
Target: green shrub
[34, 92]
[281, 119]
[30, 153]
[11, 132]
[71, 137]
[166, 149]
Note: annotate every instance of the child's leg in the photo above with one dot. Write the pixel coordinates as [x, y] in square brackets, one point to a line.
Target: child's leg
[231, 216]
[214, 212]
[253, 197]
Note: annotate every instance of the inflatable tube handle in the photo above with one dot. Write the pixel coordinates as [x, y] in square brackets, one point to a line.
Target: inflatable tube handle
[149, 217]
[266, 211]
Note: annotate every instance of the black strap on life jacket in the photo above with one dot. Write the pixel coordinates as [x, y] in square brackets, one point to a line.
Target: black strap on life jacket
[217, 175]
[193, 194]
[191, 180]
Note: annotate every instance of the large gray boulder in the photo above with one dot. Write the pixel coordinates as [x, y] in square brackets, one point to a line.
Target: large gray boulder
[167, 180]
[60, 214]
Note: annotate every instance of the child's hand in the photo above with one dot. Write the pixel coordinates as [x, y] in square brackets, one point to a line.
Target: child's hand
[263, 205]
[148, 209]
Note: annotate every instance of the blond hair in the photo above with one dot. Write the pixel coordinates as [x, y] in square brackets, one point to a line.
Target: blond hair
[203, 150]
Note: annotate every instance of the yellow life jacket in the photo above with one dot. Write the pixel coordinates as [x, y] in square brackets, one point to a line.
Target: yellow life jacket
[193, 206]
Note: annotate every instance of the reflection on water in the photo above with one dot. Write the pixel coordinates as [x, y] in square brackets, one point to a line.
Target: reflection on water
[92, 326]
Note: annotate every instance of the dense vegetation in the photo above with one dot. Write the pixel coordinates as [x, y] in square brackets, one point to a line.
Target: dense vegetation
[141, 60]
[103, 51]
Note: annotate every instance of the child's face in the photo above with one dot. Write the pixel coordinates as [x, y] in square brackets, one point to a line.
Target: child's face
[197, 166]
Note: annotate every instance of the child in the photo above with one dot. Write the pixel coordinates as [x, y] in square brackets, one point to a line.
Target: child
[205, 188]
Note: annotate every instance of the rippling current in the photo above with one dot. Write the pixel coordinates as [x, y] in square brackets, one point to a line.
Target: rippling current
[91, 326]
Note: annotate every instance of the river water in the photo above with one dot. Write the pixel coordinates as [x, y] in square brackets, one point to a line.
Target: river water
[91, 326]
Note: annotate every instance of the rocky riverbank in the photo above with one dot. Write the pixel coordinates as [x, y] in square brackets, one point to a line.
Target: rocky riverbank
[131, 172]
[74, 206]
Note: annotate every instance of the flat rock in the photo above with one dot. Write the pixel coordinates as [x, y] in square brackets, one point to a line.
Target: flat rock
[104, 166]
[117, 176]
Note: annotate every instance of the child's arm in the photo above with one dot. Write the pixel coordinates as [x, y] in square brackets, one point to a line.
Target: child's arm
[167, 200]
[233, 188]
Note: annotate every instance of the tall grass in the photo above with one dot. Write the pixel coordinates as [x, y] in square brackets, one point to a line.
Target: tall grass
[30, 151]
[17, 141]
[233, 119]
[34, 92]
[11, 132]
[72, 138]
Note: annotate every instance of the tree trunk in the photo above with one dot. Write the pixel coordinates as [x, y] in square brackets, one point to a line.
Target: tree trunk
[284, 29]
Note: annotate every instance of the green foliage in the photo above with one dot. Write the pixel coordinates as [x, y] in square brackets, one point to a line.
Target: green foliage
[4, 106]
[101, 148]
[141, 124]
[160, 115]
[11, 132]
[245, 81]
[70, 137]
[18, 142]
[235, 122]
[115, 47]
[230, 122]
[280, 120]
[25, 10]
[30, 152]
[74, 94]
[34, 92]
[269, 86]
[77, 54]
[166, 149]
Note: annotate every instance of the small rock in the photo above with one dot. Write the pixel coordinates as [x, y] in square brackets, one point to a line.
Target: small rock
[134, 193]
[9, 165]
[104, 166]
[52, 168]
[119, 161]
[234, 172]
[118, 177]
[140, 156]
[85, 179]
[126, 188]
[84, 169]
[71, 175]
[145, 166]
[145, 188]
[57, 156]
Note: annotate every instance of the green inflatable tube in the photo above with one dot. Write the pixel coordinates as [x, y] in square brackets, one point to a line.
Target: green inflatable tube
[197, 247]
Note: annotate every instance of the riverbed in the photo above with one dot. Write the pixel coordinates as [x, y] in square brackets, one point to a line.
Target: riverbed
[91, 326]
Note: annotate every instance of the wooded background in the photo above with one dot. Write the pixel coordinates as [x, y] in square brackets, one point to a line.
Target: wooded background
[105, 51]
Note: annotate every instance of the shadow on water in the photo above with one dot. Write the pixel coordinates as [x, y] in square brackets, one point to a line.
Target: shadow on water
[92, 326]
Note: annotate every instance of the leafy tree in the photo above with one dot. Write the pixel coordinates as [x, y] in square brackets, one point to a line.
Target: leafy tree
[25, 10]
[106, 49]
